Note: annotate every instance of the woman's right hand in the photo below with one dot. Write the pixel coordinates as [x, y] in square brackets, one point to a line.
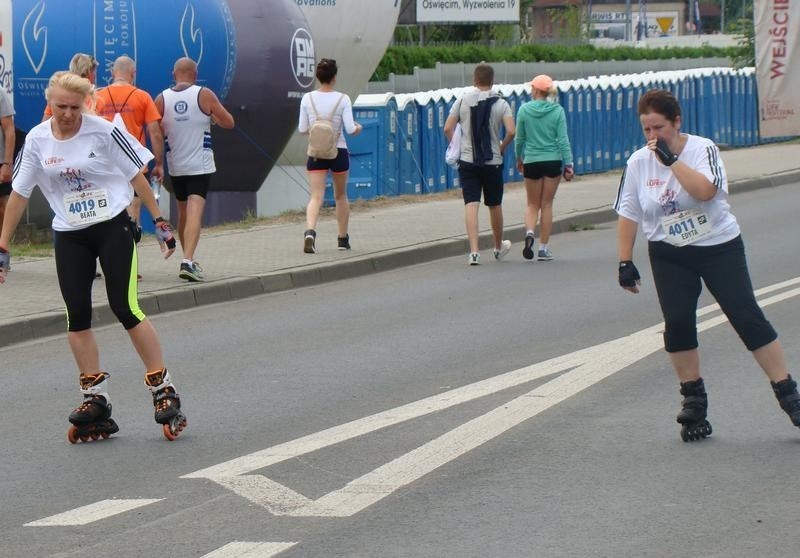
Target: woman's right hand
[569, 172]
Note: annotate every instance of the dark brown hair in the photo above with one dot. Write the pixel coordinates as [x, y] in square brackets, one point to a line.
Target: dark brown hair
[660, 101]
[326, 70]
[484, 75]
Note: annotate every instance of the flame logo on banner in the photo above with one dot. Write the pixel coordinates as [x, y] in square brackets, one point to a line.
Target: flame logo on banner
[34, 30]
[195, 35]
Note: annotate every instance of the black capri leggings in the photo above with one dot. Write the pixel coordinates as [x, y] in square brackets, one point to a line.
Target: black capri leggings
[76, 256]
[677, 272]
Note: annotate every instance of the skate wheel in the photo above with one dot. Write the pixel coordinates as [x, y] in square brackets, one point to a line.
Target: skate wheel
[105, 435]
[172, 432]
[72, 435]
[169, 434]
[95, 436]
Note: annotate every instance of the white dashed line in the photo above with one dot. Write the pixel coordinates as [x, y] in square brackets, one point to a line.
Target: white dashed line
[239, 549]
[91, 513]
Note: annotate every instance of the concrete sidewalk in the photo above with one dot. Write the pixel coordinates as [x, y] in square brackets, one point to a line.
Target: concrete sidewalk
[245, 262]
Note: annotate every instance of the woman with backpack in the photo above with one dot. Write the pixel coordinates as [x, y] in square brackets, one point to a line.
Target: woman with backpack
[324, 115]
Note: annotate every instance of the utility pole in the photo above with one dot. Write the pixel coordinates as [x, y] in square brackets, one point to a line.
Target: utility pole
[627, 20]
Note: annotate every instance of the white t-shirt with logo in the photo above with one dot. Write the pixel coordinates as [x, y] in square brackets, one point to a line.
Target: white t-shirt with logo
[648, 192]
[325, 101]
[85, 179]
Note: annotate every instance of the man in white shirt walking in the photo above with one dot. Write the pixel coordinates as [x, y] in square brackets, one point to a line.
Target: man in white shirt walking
[187, 111]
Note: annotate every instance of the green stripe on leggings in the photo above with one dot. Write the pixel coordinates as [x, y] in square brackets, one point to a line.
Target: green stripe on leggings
[133, 285]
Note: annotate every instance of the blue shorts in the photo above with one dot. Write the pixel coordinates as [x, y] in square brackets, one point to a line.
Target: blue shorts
[338, 165]
[5, 189]
[477, 179]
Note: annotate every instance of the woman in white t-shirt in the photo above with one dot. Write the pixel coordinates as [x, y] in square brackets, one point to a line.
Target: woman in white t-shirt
[85, 168]
[676, 189]
[327, 103]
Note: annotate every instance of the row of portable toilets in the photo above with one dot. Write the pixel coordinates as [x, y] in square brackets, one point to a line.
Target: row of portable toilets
[402, 145]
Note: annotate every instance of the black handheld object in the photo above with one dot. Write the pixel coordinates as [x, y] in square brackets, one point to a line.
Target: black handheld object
[664, 154]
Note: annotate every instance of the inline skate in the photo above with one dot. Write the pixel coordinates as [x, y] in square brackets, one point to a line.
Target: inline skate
[92, 420]
[786, 394]
[167, 403]
[692, 416]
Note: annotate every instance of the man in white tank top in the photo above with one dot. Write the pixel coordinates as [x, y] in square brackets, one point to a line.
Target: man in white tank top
[187, 111]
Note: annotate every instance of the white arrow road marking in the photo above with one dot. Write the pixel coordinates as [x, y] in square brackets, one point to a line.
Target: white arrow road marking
[579, 370]
[91, 513]
[239, 549]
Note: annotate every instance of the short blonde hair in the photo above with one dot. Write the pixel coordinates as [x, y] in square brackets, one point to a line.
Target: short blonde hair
[69, 82]
[83, 64]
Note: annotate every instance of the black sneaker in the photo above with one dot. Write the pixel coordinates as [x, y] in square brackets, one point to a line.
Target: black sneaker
[527, 252]
[344, 242]
[190, 272]
[309, 240]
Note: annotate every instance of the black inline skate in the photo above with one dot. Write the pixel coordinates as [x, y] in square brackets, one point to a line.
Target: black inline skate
[92, 420]
[167, 403]
[789, 399]
[693, 414]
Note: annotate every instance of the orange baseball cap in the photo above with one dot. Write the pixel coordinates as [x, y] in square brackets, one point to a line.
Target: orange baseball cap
[542, 82]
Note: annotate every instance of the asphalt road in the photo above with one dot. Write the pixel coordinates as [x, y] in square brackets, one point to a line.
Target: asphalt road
[513, 409]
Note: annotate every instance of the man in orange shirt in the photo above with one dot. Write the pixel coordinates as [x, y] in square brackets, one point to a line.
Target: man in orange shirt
[137, 112]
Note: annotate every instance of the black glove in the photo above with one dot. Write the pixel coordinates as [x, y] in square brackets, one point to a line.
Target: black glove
[664, 154]
[5, 260]
[628, 274]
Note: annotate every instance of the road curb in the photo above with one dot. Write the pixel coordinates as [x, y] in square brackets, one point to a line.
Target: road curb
[237, 288]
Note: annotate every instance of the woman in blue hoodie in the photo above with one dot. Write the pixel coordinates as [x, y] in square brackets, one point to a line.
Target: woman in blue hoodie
[543, 155]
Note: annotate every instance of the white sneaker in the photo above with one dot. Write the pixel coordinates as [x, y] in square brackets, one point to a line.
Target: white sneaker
[474, 258]
[505, 246]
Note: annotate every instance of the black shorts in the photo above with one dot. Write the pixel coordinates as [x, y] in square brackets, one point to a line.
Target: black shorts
[5, 189]
[540, 169]
[477, 179]
[338, 165]
[190, 184]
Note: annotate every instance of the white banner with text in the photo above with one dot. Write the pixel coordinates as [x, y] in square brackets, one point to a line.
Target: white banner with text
[777, 25]
[467, 11]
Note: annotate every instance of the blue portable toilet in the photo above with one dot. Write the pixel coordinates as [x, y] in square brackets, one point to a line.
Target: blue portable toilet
[704, 105]
[431, 153]
[379, 112]
[509, 93]
[599, 133]
[409, 142]
[449, 97]
[751, 119]
[628, 118]
[440, 117]
[618, 120]
[578, 130]
[586, 137]
[690, 108]
[738, 107]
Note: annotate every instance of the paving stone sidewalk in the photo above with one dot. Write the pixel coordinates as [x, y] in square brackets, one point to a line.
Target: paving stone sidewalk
[242, 262]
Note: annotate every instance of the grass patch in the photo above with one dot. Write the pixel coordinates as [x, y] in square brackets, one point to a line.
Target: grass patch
[32, 250]
[575, 227]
